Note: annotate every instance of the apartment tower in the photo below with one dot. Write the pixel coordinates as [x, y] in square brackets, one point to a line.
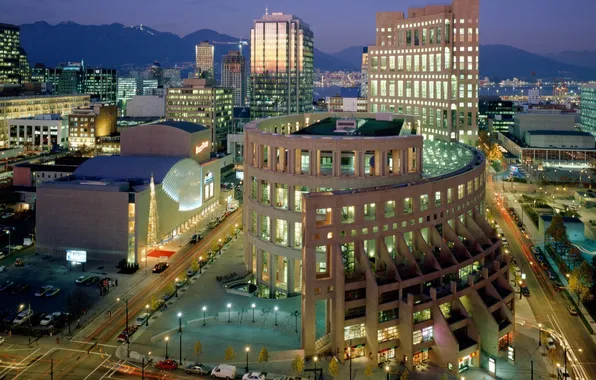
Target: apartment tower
[364, 73]
[204, 56]
[233, 75]
[281, 68]
[426, 64]
[10, 41]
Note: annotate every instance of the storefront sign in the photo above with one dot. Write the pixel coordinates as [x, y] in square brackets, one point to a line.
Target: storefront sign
[511, 353]
[492, 366]
[75, 256]
[199, 148]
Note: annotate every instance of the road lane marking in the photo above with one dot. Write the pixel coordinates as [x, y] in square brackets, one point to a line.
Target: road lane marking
[29, 366]
[93, 343]
[101, 364]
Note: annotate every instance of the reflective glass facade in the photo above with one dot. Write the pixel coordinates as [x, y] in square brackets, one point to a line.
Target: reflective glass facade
[281, 66]
[588, 108]
[10, 41]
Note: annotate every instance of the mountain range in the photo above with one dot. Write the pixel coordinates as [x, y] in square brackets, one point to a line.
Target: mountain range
[116, 45]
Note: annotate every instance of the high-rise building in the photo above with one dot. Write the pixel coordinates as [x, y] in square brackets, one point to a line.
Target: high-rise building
[204, 59]
[200, 101]
[233, 75]
[127, 88]
[364, 73]
[76, 78]
[494, 114]
[281, 67]
[10, 42]
[427, 65]
[101, 84]
[588, 108]
[24, 68]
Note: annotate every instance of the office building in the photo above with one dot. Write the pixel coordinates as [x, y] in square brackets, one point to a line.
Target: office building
[383, 236]
[24, 67]
[364, 73]
[494, 114]
[10, 55]
[86, 125]
[147, 86]
[30, 106]
[204, 59]
[127, 88]
[101, 85]
[281, 66]
[171, 77]
[233, 75]
[345, 104]
[201, 102]
[534, 96]
[588, 108]
[426, 64]
[39, 132]
[76, 78]
[124, 207]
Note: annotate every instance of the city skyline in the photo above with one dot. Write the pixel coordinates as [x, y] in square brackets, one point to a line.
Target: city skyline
[500, 24]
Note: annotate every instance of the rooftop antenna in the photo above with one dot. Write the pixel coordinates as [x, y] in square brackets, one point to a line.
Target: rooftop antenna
[266, 9]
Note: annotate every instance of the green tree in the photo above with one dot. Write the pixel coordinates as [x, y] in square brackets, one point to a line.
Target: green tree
[580, 282]
[155, 302]
[263, 356]
[230, 354]
[169, 289]
[198, 348]
[298, 364]
[368, 370]
[194, 265]
[557, 233]
[333, 368]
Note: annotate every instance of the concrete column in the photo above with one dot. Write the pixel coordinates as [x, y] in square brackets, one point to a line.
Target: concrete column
[359, 164]
[418, 160]
[291, 164]
[270, 158]
[314, 166]
[260, 153]
[336, 172]
[290, 282]
[291, 228]
[274, 159]
[404, 161]
[291, 200]
[272, 273]
[282, 161]
[396, 158]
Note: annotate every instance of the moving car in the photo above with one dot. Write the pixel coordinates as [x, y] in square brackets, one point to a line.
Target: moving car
[224, 371]
[550, 343]
[127, 333]
[167, 364]
[160, 267]
[23, 316]
[47, 320]
[81, 280]
[572, 310]
[142, 319]
[198, 369]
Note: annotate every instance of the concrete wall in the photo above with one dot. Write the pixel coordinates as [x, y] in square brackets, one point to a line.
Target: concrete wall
[533, 122]
[95, 221]
[559, 141]
[146, 106]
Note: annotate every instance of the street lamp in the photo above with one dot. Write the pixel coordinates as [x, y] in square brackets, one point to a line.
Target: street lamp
[565, 356]
[200, 264]
[8, 233]
[247, 351]
[253, 312]
[180, 334]
[126, 306]
[387, 371]
[166, 339]
[229, 312]
[147, 313]
[275, 308]
[540, 334]
[204, 314]
[315, 358]
[176, 286]
[219, 247]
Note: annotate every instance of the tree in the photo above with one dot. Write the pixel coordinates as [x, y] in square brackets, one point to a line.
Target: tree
[444, 376]
[298, 364]
[194, 265]
[580, 282]
[155, 302]
[557, 232]
[368, 370]
[405, 375]
[198, 348]
[263, 356]
[169, 289]
[230, 354]
[333, 368]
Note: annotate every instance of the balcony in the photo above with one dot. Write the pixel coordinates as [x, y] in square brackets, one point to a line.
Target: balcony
[463, 340]
[454, 317]
[488, 300]
[503, 292]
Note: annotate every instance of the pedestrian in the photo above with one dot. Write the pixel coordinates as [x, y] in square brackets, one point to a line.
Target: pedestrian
[78, 323]
[116, 281]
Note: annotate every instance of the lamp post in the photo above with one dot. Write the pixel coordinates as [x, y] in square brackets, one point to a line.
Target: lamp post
[315, 359]
[253, 312]
[540, 334]
[176, 286]
[180, 334]
[565, 356]
[167, 338]
[521, 269]
[229, 312]
[126, 324]
[219, 248]
[275, 308]
[387, 371]
[147, 313]
[204, 314]
[200, 264]
[8, 233]
[247, 351]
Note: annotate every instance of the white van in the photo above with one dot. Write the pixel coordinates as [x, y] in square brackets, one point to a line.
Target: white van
[224, 371]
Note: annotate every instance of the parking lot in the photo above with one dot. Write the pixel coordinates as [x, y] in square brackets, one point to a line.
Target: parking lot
[18, 285]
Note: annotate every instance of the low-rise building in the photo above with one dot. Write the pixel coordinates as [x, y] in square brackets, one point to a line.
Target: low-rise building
[146, 106]
[33, 175]
[42, 132]
[588, 108]
[542, 121]
[344, 104]
[87, 124]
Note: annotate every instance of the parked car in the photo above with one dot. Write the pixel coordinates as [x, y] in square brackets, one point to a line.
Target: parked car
[190, 272]
[196, 238]
[43, 290]
[160, 267]
[167, 364]
[550, 343]
[525, 291]
[572, 310]
[544, 265]
[558, 286]
[36, 318]
[535, 250]
[551, 275]
[47, 320]
[23, 316]
[141, 319]
[92, 280]
[6, 285]
[125, 334]
[254, 376]
[52, 292]
[198, 369]
[81, 280]
[20, 288]
[224, 371]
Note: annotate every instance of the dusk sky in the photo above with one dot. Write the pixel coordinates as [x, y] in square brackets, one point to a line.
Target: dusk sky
[540, 26]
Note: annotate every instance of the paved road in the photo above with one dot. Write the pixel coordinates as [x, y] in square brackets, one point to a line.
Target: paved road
[91, 352]
[548, 306]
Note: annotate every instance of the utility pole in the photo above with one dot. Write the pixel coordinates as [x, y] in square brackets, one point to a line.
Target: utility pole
[531, 370]
[52, 369]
